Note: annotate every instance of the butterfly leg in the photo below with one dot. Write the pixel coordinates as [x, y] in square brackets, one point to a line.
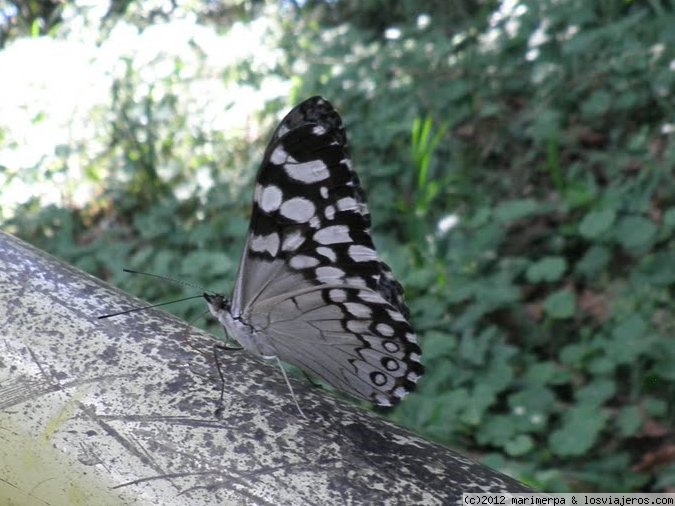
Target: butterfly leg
[220, 408]
[229, 348]
[219, 368]
[288, 383]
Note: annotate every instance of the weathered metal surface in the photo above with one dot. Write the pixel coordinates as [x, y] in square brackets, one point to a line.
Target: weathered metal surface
[123, 411]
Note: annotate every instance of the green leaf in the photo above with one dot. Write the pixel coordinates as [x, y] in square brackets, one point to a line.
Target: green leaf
[596, 223]
[546, 125]
[163, 262]
[497, 430]
[482, 398]
[629, 420]
[596, 392]
[35, 29]
[629, 339]
[451, 404]
[213, 262]
[666, 358]
[656, 269]
[499, 373]
[579, 432]
[547, 269]
[474, 349]
[152, 225]
[597, 104]
[428, 308]
[516, 209]
[574, 354]
[520, 445]
[141, 256]
[655, 407]
[536, 399]
[630, 330]
[236, 227]
[602, 366]
[669, 219]
[540, 373]
[594, 261]
[560, 305]
[439, 345]
[635, 233]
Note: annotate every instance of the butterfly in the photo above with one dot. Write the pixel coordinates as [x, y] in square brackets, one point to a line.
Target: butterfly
[311, 290]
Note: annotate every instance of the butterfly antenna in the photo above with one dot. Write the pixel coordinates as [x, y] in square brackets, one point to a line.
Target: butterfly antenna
[148, 307]
[167, 279]
[295, 400]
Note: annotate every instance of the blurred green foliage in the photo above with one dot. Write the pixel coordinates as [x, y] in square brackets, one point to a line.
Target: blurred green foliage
[519, 161]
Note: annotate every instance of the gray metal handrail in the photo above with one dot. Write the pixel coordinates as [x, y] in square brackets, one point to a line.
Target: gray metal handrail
[123, 411]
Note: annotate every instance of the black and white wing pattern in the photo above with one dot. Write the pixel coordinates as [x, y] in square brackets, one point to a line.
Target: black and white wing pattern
[311, 289]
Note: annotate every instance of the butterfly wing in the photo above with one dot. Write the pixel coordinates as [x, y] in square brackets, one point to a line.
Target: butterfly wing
[350, 337]
[310, 282]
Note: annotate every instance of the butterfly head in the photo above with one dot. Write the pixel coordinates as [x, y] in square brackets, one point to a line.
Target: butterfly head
[216, 303]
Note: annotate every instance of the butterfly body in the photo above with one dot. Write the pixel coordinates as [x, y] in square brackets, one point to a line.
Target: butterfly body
[246, 335]
[311, 289]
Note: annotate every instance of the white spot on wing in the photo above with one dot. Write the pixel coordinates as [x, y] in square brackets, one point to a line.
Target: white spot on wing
[391, 346]
[391, 364]
[265, 243]
[327, 252]
[337, 295]
[357, 326]
[379, 379]
[307, 172]
[347, 204]
[356, 281]
[358, 310]
[327, 274]
[385, 329]
[297, 209]
[303, 261]
[400, 392]
[329, 212]
[333, 235]
[370, 296]
[270, 198]
[362, 253]
[395, 315]
[293, 241]
[279, 155]
[381, 400]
